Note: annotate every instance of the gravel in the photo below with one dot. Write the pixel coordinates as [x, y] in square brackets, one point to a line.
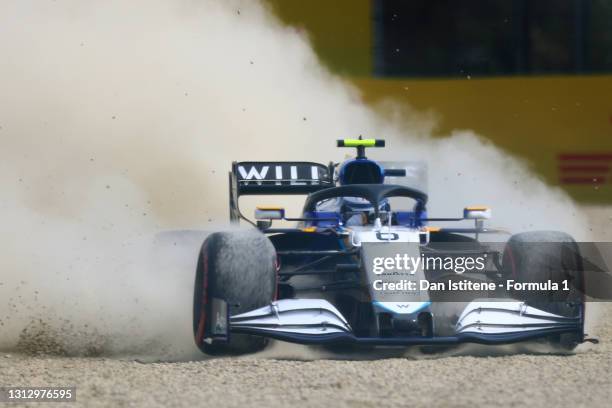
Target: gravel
[476, 379]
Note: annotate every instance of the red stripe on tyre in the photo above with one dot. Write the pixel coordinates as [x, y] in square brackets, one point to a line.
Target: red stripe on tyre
[202, 321]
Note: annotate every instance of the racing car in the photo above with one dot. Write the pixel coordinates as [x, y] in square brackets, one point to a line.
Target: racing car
[353, 269]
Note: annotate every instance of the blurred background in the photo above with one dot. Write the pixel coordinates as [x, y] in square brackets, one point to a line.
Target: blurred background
[533, 77]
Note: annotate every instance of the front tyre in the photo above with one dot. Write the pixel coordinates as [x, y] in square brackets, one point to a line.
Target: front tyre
[543, 256]
[240, 268]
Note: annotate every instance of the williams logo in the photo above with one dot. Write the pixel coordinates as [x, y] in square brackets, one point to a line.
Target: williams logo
[282, 173]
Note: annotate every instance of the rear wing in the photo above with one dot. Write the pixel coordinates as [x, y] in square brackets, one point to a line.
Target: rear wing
[269, 178]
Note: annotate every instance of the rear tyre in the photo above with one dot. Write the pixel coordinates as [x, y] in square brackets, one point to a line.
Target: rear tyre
[240, 268]
[540, 256]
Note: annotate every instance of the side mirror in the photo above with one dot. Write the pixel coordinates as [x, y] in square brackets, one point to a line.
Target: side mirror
[269, 213]
[476, 213]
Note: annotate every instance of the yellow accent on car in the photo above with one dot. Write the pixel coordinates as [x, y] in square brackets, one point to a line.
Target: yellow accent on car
[359, 142]
[477, 208]
[310, 229]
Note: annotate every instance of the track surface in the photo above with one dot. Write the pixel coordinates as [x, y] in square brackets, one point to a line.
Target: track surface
[473, 377]
[584, 379]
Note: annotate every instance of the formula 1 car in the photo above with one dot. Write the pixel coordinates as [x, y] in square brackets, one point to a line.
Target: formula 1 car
[355, 269]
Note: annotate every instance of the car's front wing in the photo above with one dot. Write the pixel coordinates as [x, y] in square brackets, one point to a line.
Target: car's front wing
[316, 321]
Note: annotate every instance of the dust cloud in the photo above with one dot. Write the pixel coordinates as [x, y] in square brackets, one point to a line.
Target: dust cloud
[119, 120]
